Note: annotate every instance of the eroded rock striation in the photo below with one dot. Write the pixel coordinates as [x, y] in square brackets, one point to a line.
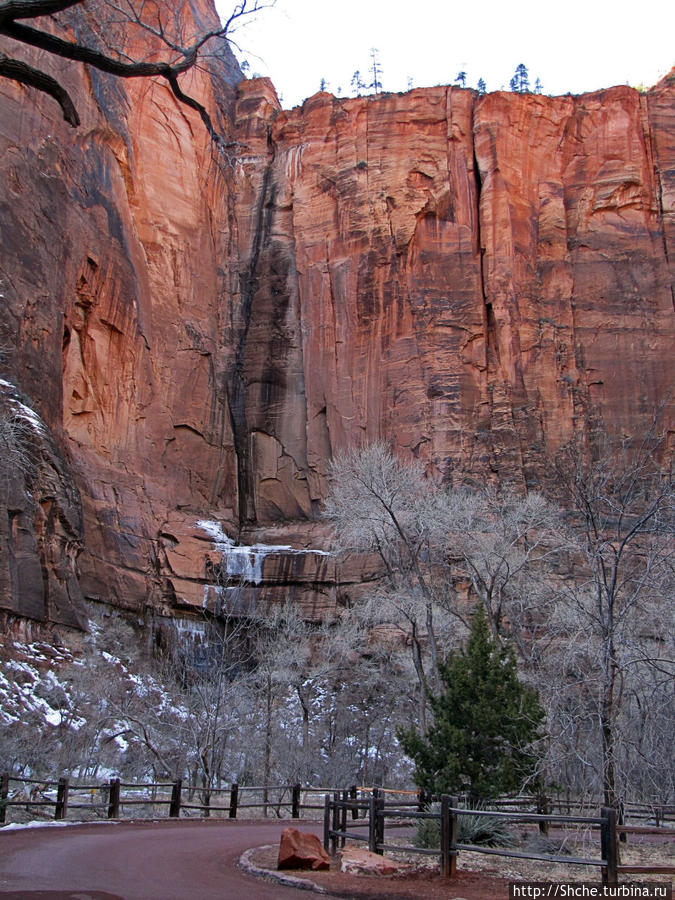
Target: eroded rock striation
[471, 278]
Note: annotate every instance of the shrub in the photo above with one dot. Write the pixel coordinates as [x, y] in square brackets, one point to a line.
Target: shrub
[488, 831]
[486, 723]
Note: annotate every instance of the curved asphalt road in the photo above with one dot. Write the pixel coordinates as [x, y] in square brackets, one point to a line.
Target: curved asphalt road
[194, 860]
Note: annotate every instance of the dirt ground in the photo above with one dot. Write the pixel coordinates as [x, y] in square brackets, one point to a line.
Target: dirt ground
[479, 877]
[424, 884]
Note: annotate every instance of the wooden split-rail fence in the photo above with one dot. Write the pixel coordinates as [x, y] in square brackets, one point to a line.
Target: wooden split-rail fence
[347, 817]
[360, 814]
[116, 799]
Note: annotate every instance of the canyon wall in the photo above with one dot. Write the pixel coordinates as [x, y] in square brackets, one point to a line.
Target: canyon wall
[473, 279]
[114, 275]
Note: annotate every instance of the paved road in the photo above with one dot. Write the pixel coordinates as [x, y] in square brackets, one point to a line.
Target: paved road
[162, 861]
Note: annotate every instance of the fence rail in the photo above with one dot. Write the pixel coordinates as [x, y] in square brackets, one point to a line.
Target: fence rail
[337, 830]
[116, 798]
[110, 798]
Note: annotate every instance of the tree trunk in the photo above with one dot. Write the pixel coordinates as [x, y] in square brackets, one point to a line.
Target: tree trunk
[607, 727]
[419, 669]
[268, 745]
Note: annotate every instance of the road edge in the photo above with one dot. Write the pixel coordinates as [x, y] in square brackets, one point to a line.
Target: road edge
[302, 884]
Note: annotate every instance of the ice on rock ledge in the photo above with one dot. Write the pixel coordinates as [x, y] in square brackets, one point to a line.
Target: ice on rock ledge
[245, 561]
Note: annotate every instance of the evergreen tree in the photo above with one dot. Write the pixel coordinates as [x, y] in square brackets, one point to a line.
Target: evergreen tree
[520, 83]
[481, 86]
[461, 78]
[523, 79]
[538, 86]
[485, 721]
[376, 69]
[357, 82]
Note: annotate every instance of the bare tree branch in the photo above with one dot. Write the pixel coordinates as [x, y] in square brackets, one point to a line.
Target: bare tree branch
[25, 74]
[168, 41]
[30, 9]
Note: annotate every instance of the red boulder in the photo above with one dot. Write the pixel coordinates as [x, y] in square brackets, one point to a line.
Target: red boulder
[300, 850]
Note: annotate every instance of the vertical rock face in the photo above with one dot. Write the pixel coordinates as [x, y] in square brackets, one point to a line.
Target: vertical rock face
[370, 285]
[41, 529]
[114, 271]
[472, 279]
[577, 281]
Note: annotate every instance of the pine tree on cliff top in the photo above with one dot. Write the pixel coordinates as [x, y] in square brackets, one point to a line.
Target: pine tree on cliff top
[485, 723]
[520, 83]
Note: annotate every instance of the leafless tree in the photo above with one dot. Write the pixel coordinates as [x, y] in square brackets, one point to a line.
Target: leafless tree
[15, 443]
[125, 38]
[366, 709]
[431, 539]
[615, 608]
[583, 583]
[65, 709]
[18, 422]
[383, 505]
[297, 665]
[505, 542]
[215, 692]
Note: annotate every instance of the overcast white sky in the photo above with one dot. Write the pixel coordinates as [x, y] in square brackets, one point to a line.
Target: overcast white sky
[575, 46]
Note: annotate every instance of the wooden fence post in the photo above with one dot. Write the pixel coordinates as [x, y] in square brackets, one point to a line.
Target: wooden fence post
[379, 819]
[543, 809]
[445, 836]
[114, 799]
[4, 794]
[295, 802]
[372, 820]
[354, 794]
[335, 823]
[326, 822]
[61, 807]
[343, 818]
[453, 835]
[381, 805]
[174, 806]
[448, 837]
[608, 846]
[621, 819]
[234, 799]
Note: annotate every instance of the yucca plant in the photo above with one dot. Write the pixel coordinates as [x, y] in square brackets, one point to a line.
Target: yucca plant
[489, 831]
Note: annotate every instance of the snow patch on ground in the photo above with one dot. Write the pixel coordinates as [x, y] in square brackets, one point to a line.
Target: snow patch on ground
[37, 823]
[38, 690]
[23, 411]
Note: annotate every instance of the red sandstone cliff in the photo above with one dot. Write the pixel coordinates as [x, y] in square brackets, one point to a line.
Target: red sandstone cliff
[113, 268]
[471, 278]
